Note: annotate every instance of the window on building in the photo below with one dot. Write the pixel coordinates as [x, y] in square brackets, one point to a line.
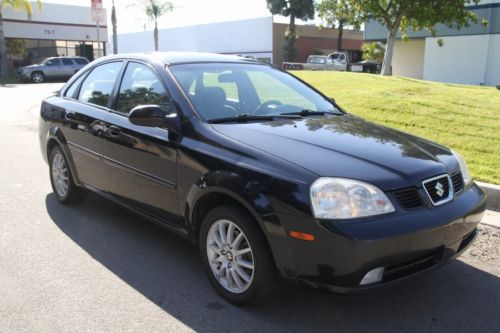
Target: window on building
[141, 86]
[97, 87]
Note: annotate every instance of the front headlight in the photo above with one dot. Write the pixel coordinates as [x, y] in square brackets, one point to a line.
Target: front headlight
[463, 168]
[341, 198]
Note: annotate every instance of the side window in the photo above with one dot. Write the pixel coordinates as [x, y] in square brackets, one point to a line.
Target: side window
[141, 86]
[70, 92]
[80, 61]
[67, 62]
[54, 62]
[99, 83]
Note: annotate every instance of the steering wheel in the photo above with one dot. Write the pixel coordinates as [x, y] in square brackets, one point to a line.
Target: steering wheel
[261, 109]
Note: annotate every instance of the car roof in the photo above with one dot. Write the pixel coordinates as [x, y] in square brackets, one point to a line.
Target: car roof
[172, 58]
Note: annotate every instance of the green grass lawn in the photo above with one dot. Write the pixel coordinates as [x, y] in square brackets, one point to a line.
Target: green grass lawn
[465, 118]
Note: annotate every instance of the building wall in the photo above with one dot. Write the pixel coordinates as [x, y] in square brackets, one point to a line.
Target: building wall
[54, 22]
[312, 38]
[464, 59]
[248, 37]
[408, 59]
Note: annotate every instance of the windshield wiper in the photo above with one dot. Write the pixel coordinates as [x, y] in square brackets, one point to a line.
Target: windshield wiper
[307, 112]
[251, 117]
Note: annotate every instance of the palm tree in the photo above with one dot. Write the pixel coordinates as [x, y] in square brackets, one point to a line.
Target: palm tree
[154, 9]
[114, 23]
[22, 5]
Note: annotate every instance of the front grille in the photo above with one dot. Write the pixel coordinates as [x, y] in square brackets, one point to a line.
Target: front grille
[458, 182]
[439, 189]
[413, 265]
[408, 198]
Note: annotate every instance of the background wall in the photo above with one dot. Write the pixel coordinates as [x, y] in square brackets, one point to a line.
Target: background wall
[408, 58]
[465, 59]
[250, 37]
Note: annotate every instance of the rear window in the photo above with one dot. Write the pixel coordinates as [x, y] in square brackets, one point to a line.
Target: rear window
[81, 61]
[67, 62]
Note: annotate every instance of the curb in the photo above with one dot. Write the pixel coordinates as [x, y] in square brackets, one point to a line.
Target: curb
[491, 219]
[493, 192]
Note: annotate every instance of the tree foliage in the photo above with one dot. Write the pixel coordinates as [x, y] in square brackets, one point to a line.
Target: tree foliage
[15, 47]
[340, 13]
[295, 9]
[20, 5]
[373, 51]
[401, 15]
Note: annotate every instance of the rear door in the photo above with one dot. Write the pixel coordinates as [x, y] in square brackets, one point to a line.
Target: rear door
[69, 67]
[86, 110]
[141, 162]
[54, 68]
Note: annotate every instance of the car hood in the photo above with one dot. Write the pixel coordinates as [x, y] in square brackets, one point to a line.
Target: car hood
[31, 66]
[347, 146]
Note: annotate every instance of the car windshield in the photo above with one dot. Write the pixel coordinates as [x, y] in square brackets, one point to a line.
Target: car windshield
[244, 91]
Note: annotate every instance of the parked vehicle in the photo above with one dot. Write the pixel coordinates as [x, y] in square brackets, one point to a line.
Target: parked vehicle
[51, 68]
[336, 61]
[268, 176]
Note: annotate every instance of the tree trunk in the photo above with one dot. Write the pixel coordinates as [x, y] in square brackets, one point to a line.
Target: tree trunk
[341, 34]
[114, 22]
[389, 50]
[156, 36]
[3, 50]
[290, 39]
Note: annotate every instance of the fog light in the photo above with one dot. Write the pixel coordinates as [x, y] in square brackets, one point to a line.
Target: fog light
[375, 275]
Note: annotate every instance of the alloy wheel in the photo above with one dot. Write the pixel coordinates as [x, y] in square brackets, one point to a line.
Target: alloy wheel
[37, 77]
[230, 256]
[60, 175]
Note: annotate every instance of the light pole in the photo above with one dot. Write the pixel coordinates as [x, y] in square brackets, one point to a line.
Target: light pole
[113, 22]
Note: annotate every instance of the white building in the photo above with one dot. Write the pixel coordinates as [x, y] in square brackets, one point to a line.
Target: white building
[253, 37]
[470, 55]
[55, 30]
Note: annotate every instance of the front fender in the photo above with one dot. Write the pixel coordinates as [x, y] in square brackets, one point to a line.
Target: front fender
[249, 194]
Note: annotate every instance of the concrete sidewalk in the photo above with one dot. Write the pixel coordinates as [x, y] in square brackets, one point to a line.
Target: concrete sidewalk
[492, 218]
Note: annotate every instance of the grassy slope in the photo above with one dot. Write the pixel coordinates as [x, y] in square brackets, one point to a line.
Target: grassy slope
[465, 118]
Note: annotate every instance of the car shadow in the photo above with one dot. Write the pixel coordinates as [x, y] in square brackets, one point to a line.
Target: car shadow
[166, 269]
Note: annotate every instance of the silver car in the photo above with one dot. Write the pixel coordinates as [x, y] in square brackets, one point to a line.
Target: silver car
[52, 68]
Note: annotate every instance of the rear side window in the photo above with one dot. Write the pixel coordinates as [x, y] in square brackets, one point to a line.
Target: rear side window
[67, 62]
[98, 85]
[81, 61]
[70, 92]
[53, 62]
[141, 86]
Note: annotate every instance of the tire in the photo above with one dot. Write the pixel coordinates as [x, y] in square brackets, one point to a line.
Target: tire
[237, 282]
[37, 77]
[61, 179]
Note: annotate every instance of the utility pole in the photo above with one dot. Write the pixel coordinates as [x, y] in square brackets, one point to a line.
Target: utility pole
[113, 22]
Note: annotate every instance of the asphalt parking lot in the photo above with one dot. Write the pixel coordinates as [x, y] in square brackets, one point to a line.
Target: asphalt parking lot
[95, 267]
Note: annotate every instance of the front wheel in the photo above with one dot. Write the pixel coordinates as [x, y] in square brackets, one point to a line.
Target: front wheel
[236, 256]
[37, 77]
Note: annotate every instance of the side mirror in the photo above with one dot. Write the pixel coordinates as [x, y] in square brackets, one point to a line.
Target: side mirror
[152, 116]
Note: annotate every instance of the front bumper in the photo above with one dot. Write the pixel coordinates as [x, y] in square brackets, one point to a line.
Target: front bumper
[23, 76]
[404, 244]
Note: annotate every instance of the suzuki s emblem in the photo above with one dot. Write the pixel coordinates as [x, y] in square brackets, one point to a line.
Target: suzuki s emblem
[439, 189]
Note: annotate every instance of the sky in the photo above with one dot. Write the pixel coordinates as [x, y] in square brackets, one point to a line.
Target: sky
[186, 12]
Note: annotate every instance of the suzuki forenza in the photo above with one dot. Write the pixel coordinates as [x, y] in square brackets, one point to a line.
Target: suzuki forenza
[268, 176]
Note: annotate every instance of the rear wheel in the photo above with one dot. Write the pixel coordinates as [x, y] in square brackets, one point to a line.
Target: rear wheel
[236, 256]
[63, 185]
[37, 77]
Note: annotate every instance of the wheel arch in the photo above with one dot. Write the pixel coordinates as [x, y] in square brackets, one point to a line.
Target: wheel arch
[55, 137]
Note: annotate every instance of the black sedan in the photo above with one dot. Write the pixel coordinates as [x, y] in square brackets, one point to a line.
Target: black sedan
[269, 177]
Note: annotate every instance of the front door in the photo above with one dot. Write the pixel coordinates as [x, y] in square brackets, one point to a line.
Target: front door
[141, 162]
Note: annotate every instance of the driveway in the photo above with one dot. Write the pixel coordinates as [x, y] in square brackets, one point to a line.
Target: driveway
[95, 267]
